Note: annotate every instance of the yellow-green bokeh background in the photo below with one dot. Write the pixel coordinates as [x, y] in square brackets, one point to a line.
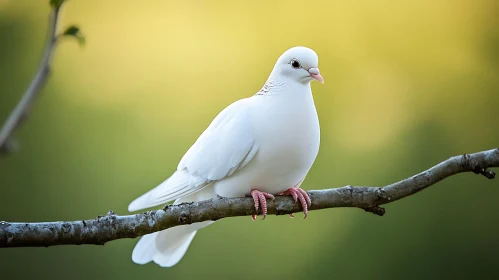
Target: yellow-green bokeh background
[408, 84]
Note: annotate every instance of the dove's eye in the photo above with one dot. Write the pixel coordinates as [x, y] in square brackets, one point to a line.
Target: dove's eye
[295, 63]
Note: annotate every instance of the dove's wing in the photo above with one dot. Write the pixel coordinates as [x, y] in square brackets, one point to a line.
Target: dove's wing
[227, 145]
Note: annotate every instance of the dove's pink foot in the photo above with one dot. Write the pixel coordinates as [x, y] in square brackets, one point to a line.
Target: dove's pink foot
[302, 196]
[260, 199]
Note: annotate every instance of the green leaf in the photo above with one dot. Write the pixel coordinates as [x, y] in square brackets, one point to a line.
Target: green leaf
[74, 31]
[56, 3]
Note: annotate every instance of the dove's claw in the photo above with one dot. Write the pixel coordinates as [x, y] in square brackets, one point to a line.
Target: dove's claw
[305, 195]
[302, 196]
[260, 199]
[293, 194]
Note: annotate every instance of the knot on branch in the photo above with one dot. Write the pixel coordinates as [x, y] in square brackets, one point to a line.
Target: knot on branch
[376, 210]
[476, 168]
[489, 174]
[66, 227]
[184, 218]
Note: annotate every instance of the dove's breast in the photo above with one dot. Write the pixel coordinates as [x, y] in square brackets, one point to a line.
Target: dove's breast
[288, 136]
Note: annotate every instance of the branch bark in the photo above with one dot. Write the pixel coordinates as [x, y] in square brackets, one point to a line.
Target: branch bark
[111, 226]
[22, 108]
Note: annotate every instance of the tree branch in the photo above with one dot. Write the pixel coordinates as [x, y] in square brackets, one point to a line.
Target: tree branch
[111, 226]
[22, 108]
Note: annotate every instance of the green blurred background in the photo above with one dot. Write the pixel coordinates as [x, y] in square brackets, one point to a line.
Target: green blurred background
[408, 84]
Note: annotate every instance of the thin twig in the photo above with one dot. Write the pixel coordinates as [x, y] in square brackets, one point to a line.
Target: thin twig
[111, 226]
[22, 108]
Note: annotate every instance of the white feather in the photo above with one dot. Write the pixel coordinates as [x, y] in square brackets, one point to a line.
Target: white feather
[145, 249]
[225, 146]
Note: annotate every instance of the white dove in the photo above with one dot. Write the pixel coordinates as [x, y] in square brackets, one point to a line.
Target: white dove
[257, 146]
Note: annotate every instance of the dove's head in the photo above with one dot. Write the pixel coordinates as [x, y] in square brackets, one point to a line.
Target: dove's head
[299, 64]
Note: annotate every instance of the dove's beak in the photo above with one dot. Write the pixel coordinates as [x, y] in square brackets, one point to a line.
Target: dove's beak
[316, 74]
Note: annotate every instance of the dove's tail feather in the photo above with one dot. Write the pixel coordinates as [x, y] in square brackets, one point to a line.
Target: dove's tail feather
[167, 247]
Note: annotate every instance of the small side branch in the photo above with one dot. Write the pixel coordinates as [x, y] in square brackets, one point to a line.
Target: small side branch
[22, 108]
[111, 226]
